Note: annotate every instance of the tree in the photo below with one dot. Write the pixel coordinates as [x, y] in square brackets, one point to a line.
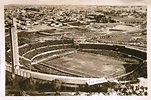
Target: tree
[26, 84]
[57, 86]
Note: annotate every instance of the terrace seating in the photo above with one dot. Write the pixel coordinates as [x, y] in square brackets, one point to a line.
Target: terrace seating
[40, 50]
[45, 49]
[27, 64]
[42, 44]
[111, 53]
[51, 55]
[32, 46]
[48, 70]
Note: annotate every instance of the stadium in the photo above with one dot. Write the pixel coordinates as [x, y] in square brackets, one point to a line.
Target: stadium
[71, 50]
[72, 62]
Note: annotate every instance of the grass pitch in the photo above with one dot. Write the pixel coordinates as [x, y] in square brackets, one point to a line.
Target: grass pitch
[89, 64]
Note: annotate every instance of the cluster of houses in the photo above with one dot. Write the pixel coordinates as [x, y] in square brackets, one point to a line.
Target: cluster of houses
[57, 16]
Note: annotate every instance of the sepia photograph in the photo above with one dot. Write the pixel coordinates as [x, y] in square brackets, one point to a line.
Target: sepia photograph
[69, 50]
[76, 49]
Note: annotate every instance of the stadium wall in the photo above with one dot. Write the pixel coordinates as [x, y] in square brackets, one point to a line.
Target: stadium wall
[120, 48]
[77, 80]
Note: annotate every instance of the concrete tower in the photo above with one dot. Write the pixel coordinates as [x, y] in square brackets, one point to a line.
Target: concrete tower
[14, 47]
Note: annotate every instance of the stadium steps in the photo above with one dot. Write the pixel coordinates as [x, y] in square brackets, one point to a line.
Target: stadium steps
[28, 47]
[30, 54]
[51, 47]
[47, 70]
[51, 53]
[36, 61]
[129, 73]
[114, 54]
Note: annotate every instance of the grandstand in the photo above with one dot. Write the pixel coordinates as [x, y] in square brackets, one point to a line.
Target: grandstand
[75, 63]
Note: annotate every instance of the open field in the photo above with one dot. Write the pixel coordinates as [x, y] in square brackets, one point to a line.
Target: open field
[89, 64]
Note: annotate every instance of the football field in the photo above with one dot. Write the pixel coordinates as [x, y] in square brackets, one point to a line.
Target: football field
[90, 65]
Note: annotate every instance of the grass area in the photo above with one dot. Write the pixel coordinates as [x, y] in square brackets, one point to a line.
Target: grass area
[90, 64]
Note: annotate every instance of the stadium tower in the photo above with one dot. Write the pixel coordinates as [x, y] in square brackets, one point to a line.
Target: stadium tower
[14, 47]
